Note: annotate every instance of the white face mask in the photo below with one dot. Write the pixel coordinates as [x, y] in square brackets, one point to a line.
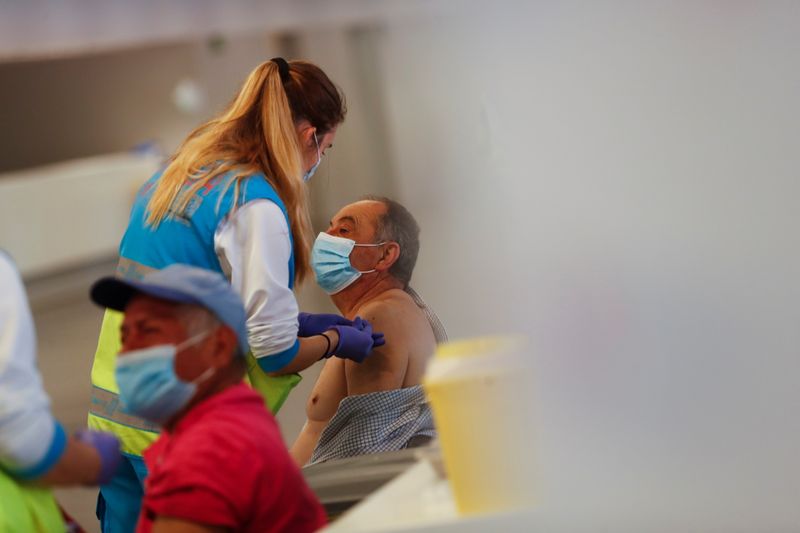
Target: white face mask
[307, 175]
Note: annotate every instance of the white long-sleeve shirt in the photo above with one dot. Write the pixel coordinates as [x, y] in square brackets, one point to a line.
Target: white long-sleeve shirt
[31, 440]
[254, 247]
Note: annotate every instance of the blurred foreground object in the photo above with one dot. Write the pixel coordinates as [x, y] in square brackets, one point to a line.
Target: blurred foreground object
[478, 391]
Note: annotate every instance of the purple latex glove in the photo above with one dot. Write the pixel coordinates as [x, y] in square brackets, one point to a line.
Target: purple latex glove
[314, 324]
[107, 446]
[357, 341]
[377, 337]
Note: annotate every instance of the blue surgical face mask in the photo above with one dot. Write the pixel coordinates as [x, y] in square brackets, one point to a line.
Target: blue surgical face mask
[330, 260]
[307, 175]
[148, 385]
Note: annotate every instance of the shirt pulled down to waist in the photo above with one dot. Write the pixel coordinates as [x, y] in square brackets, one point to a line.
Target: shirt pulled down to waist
[376, 422]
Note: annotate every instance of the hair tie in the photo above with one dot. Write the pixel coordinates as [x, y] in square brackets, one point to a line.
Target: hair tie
[283, 68]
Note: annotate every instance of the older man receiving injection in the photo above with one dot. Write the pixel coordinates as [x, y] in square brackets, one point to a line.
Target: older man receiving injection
[364, 261]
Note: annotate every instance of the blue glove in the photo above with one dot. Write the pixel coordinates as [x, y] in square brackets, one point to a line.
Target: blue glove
[357, 341]
[107, 446]
[314, 324]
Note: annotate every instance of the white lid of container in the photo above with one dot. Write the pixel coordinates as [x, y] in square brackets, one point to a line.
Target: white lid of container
[478, 357]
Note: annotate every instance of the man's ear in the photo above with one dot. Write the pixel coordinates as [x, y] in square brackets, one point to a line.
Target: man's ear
[225, 343]
[391, 253]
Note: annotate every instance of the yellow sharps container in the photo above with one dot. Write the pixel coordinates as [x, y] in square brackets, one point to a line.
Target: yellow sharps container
[481, 395]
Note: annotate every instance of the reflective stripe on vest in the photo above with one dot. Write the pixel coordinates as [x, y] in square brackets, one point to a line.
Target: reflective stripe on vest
[128, 269]
[133, 441]
[106, 404]
[105, 412]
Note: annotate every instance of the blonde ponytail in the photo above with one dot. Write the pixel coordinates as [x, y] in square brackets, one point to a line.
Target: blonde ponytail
[255, 134]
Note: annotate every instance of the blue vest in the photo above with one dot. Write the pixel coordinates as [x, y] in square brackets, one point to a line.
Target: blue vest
[188, 237]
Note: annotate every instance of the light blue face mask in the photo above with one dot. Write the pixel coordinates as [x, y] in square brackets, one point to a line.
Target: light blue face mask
[330, 260]
[307, 175]
[148, 386]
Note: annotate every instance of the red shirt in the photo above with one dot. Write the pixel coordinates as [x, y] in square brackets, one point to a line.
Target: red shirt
[224, 464]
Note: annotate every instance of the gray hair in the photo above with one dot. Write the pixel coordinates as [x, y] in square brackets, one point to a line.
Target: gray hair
[398, 225]
[196, 319]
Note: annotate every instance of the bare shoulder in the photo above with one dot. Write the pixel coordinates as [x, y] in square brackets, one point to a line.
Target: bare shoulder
[409, 343]
[393, 308]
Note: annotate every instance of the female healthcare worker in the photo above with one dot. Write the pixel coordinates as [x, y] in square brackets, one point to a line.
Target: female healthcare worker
[232, 199]
[34, 449]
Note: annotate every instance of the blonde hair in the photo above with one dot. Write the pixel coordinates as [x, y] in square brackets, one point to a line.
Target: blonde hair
[256, 134]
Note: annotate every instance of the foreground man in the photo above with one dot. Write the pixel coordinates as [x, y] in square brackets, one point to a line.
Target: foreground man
[35, 451]
[219, 463]
[365, 261]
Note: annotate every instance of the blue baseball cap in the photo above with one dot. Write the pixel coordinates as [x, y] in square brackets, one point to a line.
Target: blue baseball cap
[182, 284]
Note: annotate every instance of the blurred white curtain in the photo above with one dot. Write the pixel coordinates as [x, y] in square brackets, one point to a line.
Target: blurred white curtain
[619, 182]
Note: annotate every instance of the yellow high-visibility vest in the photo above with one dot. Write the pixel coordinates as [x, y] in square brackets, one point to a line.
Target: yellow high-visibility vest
[135, 434]
[27, 509]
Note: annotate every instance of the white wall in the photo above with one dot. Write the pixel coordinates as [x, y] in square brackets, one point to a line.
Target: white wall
[619, 182]
[109, 102]
[360, 162]
[71, 214]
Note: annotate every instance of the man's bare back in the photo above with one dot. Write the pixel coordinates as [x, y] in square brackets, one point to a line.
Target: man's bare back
[400, 363]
